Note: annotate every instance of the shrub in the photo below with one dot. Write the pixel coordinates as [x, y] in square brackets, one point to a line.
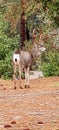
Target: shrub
[50, 66]
[7, 47]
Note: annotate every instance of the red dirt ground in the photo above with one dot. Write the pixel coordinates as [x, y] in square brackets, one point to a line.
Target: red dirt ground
[36, 108]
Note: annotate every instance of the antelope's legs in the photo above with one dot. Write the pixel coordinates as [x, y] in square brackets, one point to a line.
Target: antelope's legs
[27, 77]
[14, 77]
[20, 76]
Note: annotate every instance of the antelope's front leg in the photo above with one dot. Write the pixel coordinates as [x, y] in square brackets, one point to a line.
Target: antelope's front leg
[27, 78]
[20, 77]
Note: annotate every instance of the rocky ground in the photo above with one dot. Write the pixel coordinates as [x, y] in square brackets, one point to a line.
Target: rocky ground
[34, 108]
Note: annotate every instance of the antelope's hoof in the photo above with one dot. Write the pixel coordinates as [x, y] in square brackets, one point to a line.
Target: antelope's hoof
[27, 86]
[21, 87]
[14, 87]
[4, 88]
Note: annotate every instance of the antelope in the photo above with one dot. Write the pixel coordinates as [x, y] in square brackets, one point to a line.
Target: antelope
[23, 60]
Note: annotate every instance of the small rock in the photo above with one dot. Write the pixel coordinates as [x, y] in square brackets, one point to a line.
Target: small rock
[7, 126]
[39, 122]
[13, 122]
[36, 74]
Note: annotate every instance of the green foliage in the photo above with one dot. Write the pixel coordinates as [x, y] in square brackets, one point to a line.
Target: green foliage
[41, 14]
[6, 52]
[52, 8]
[7, 45]
[50, 66]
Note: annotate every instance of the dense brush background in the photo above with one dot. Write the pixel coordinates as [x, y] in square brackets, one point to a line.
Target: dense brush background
[41, 14]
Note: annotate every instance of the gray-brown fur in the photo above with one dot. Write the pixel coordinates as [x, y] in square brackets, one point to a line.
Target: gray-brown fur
[24, 60]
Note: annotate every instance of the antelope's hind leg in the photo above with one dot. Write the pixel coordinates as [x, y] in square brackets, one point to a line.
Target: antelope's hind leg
[14, 77]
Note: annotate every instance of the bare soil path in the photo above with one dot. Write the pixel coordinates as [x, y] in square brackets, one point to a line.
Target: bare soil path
[36, 108]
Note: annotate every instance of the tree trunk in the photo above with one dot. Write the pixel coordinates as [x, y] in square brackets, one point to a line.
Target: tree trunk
[22, 30]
